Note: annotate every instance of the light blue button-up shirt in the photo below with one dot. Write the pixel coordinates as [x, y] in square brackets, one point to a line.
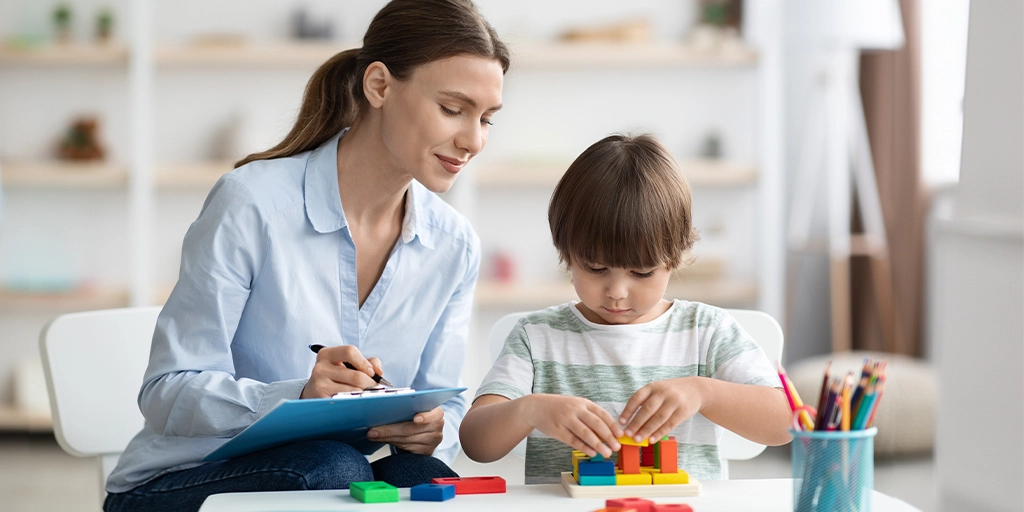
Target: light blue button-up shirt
[268, 268]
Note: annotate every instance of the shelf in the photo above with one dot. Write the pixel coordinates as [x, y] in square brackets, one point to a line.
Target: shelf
[60, 174]
[718, 292]
[266, 55]
[83, 299]
[73, 54]
[699, 173]
[200, 175]
[17, 420]
[627, 55]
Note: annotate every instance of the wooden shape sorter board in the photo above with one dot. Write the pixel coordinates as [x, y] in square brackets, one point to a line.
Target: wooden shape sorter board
[576, 490]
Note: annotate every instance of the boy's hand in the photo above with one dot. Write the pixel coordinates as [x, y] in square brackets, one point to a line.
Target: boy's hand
[575, 421]
[660, 407]
[421, 435]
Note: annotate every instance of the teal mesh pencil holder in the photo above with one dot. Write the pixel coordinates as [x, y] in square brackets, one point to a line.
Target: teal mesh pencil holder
[833, 471]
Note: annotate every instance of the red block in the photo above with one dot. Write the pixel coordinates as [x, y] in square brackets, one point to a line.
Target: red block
[629, 459]
[474, 484]
[640, 504]
[669, 452]
[673, 507]
[647, 455]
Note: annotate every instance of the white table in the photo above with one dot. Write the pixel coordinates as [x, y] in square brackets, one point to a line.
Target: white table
[717, 496]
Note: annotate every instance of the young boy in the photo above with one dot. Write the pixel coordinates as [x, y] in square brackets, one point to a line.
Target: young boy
[624, 360]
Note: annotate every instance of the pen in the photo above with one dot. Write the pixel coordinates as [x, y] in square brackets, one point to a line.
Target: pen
[376, 378]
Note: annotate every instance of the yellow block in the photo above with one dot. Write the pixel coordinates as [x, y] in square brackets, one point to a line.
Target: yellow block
[577, 456]
[628, 441]
[670, 478]
[641, 479]
[649, 469]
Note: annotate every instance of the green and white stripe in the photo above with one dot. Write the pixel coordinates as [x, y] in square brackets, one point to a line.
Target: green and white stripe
[558, 351]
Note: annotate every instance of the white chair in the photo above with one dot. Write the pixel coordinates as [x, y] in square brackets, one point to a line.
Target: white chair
[761, 326]
[94, 363]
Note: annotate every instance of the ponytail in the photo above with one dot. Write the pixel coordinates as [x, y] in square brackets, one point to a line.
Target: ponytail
[329, 104]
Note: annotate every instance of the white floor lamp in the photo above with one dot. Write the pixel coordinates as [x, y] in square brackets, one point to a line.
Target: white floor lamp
[835, 146]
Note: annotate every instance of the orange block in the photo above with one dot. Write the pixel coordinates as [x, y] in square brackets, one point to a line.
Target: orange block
[668, 455]
[629, 459]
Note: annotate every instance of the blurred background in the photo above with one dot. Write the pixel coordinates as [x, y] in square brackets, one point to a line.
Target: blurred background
[822, 139]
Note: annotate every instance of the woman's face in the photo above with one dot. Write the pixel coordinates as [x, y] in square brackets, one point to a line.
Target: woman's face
[437, 120]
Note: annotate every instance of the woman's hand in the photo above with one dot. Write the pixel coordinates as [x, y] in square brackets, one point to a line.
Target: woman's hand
[330, 376]
[421, 435]
[660, 407]
[575, 421]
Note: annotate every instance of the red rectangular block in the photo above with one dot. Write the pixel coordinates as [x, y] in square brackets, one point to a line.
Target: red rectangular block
[673, 507]
[640, 504]
[474, 484]
[647, 456]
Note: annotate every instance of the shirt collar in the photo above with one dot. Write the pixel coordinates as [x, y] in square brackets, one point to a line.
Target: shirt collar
[323, 197]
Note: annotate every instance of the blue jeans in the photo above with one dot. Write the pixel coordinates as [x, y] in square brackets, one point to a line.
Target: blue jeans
[311, 465]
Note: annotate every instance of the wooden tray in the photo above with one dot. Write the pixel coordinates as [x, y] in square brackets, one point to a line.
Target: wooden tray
[576, 490]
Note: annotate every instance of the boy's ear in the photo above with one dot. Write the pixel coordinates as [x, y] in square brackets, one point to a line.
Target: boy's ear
[376, 83]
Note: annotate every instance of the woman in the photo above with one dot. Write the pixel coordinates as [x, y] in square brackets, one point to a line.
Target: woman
[333, 237]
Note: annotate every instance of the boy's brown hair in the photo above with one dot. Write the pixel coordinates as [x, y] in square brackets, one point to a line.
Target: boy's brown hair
[623, 203]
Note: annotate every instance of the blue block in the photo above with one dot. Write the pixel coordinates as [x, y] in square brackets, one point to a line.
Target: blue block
[432, 492]
[597, 480]
[591, 468]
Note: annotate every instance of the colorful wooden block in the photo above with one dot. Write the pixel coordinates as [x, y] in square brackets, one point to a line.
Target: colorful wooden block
[596, 480]
[629, 459]
[637, 479]
[591, 468]
[679, 477]
[640, 504]
[575, 490]
[474, 484]
[668, 456]
[373, 492]
[577, 456]
[432, 492]
[648, 469]
[672, 507]
[647, 455]
[628, 441]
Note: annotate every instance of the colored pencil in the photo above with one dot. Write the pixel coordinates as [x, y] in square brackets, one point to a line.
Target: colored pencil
[794, 399]
[880, 387]
[819, 419]
[847, 394]
[865, 376]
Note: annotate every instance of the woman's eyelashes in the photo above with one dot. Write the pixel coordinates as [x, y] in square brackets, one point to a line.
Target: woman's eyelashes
[455, 113]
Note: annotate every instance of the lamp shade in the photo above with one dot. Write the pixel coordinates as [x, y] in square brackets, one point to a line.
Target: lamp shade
[863, 24]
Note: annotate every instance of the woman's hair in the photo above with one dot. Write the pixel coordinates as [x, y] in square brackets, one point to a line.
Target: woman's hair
[405, 34]
[623, 203]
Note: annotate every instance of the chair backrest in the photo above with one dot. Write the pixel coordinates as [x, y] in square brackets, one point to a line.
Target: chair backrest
[764, 329]
[94, 363]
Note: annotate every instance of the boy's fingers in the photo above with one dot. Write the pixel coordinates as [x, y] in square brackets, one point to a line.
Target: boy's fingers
[633, 405]
[642, 416]
[605, 436]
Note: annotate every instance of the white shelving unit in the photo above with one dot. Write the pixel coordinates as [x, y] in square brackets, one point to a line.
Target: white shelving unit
[147, 183]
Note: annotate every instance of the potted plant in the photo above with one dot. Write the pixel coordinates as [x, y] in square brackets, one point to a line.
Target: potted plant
[104, 25]
[62, 22]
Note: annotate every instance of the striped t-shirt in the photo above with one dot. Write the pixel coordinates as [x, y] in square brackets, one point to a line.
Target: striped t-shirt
[558, 351]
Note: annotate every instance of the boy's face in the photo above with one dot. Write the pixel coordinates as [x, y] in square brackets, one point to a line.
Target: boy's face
[611, 295]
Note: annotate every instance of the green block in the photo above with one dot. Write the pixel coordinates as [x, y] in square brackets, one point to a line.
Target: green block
[373, 492]
[597, 480]
[657, 455]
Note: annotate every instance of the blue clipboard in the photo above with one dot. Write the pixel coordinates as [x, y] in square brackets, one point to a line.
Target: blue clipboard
[341, 419]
